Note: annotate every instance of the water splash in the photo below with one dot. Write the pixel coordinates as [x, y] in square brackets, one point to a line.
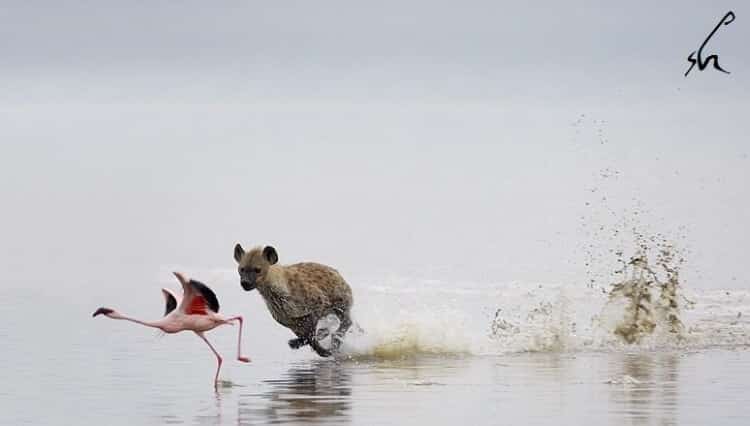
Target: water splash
[646, 308]
[644, 313]
[405, 333]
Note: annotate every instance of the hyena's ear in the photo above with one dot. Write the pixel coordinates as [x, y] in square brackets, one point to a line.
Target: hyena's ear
[238, 252]
[270, 254]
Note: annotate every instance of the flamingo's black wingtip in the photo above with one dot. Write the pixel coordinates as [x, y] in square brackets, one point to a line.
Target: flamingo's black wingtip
[104, 311]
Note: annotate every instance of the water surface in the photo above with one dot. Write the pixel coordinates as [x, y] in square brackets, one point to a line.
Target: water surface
[434, 364]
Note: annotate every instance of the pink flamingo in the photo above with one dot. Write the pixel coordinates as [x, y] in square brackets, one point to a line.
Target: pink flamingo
[198, 311]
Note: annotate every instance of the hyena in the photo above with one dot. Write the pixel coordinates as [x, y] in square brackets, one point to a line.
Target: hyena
[298, 295]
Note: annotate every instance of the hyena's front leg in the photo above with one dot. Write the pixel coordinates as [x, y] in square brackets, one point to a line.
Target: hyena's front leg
[298, 342]
[302, 328]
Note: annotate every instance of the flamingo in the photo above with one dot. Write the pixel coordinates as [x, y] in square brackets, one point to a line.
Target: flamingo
[198, 311]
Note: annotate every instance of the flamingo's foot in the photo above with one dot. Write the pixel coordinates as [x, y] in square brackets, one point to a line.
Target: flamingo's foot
[243, 359]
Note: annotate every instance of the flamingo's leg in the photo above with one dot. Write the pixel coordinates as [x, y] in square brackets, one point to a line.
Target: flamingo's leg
[218, 358]
[239, 340]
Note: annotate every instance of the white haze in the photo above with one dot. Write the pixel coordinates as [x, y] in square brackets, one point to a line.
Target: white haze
[480, 148]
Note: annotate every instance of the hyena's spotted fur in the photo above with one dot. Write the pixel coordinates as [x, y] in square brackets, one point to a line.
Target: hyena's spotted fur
[297, 295]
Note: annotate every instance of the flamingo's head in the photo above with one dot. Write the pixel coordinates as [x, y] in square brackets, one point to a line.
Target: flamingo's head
[105, 311]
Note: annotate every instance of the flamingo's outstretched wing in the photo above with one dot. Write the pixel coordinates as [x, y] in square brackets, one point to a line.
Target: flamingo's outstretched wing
[170, 300]
[198, 299]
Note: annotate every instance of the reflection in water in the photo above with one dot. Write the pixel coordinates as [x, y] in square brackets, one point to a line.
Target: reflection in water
[649, 388]
[315, 392]
[549, 388]
[668, 378]
[211, 414]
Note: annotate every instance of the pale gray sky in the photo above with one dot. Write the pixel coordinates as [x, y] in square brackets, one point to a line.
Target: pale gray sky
[110, 51]
[461, 139]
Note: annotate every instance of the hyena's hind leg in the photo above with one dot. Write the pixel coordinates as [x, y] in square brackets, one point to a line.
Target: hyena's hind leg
[315, 345]
[338, 336]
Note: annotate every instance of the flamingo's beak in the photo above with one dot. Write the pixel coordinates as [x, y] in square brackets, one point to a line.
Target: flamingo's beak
[180, 277]
[105, 311]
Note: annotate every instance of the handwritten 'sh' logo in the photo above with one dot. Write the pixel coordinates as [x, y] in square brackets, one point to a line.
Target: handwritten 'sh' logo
[702, 64]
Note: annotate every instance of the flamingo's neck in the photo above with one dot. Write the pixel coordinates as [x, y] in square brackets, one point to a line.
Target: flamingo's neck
[154, 324]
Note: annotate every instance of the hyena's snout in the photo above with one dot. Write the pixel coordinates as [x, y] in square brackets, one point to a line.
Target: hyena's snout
[247, 286]
[248, 280]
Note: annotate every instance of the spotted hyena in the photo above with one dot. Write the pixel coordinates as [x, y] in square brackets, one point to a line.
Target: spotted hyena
[298, 295]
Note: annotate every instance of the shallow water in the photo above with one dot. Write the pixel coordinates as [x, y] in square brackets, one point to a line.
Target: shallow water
[429, 354]
[706, 387]
[530, 388]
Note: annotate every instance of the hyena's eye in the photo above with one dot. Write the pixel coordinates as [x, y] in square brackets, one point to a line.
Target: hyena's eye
[256, 270]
